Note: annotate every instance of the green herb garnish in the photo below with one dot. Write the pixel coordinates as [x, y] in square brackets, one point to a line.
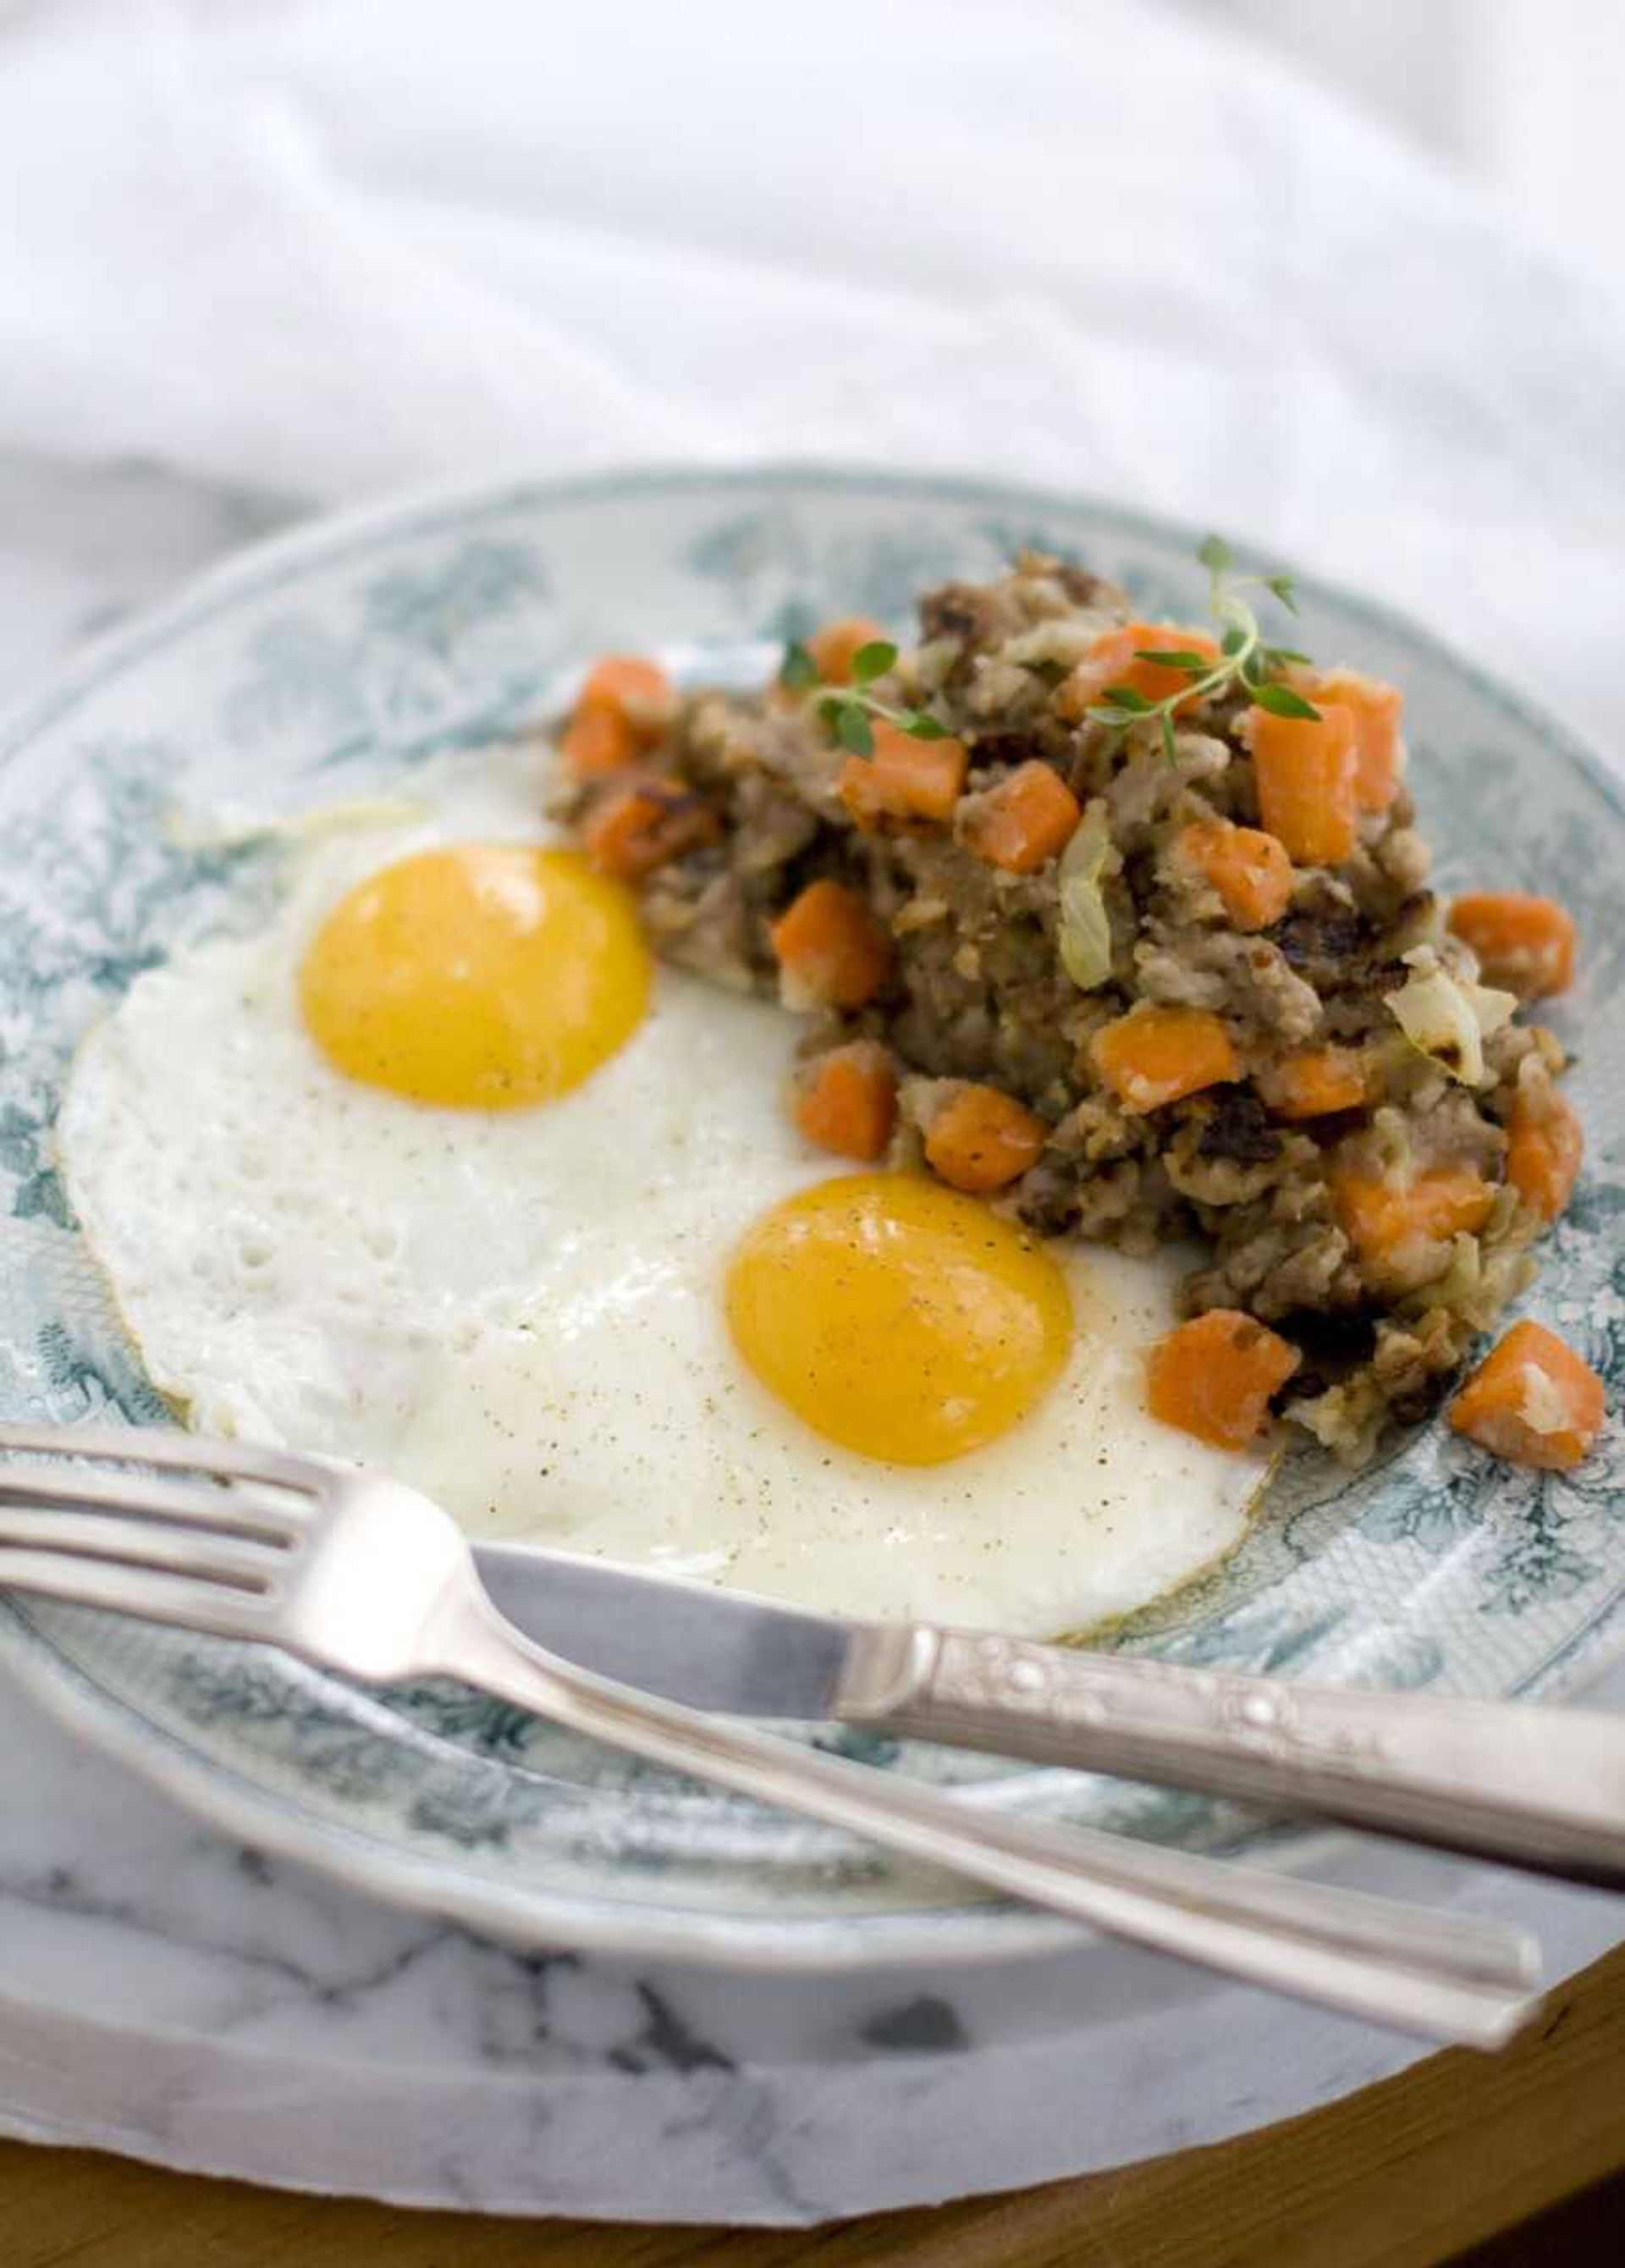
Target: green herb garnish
[852, 728]
[1244, 657]
[1280, 700]
[849, 711]
[797, 670]
[872, 660]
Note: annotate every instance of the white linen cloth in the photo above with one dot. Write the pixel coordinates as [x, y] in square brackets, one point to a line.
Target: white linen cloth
[331, 246]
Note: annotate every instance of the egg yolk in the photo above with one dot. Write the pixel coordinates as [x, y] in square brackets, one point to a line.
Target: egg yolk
[897, 1317]
[487, 976]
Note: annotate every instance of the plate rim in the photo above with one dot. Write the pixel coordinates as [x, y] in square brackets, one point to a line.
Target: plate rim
[261, 1816]
[416, 509]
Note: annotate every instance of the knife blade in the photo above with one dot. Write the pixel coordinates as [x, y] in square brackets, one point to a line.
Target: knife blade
[685, 1640]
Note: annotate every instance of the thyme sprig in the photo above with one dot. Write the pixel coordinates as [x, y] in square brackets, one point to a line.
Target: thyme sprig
[1244, 657]
[848, 709]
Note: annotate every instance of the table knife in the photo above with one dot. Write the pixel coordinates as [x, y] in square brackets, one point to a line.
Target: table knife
[1541, 1787]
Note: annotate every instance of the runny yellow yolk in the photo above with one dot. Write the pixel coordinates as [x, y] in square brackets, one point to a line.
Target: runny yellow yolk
[897, 1317]
[488, 976]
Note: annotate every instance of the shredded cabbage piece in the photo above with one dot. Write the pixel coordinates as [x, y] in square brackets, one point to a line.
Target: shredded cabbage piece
[1477, 1285]
[1391, 1138]
[1448, 1018]
[1086, 935]
[1462, 1281]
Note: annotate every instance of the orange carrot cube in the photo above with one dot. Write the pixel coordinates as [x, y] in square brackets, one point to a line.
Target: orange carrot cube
[847, 1100]
[640, 823]
[1249, 870]
[1399, 1229]
[1531, 1400]
[832, 952]
[1543, 1153]
[903, 778]
[1024, 821]
[1305, 770]
[1315, 1083]
[598, 740]
[981, 1138]
[1375, 707]
[1523, 943]
[628, 686]
[837, 644]
[1116, 657]
[1154, 1056]
[1214, 1376]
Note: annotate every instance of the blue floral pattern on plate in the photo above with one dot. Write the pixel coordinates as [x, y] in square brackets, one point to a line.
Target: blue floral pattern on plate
[335, 659]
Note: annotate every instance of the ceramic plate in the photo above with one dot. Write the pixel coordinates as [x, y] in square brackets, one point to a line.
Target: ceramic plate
[341, 658]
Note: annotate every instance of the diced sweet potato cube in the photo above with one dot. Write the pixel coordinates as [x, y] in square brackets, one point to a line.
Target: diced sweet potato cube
[639, 823]
[904, 779]
[1214, 1376]
[1249, 870]
[1531, 1400]
[847, 1100]
[1315, 1083]
[597, 742]
[623, 709]
[628, 686]
[1305, 769]
[1154, 1056]
[1525, 944]
[1543, 1153]
[836, 645]
[1399, 1228]
[1024, 821]
[983, 1139]
[832, 952]
[1375, 707]
[1116, 659]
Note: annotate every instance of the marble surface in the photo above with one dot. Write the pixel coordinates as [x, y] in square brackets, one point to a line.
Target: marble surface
[165, 1993]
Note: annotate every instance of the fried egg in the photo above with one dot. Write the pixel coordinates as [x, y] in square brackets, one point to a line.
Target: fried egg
[436, 1171]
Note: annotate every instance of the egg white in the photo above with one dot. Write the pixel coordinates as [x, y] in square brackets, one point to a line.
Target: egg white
[521, 1313]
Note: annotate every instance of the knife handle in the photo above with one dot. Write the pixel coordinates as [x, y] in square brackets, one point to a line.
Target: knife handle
[1541, 1788]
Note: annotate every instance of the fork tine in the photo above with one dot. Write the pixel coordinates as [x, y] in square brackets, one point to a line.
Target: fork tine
[175, 1451]
[143, 1543]
[183, 1600]
[192, 1504]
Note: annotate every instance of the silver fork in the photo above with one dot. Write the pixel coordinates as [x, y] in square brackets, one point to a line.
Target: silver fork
[359, 1574]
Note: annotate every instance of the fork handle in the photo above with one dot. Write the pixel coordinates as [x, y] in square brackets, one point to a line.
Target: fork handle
[1447, 1978]
[1541, 1787]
